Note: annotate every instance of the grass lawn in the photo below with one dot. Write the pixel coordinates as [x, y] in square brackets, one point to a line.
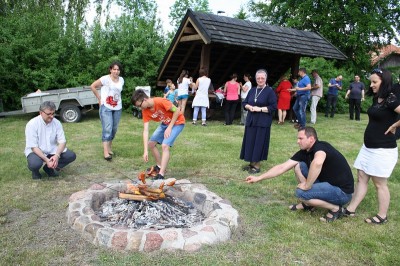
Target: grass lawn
[34, 230]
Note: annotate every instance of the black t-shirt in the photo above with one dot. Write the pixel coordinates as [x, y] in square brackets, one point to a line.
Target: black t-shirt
[381, 117]
[335, 169]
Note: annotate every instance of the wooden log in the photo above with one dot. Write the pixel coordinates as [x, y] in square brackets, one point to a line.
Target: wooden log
[133, 197]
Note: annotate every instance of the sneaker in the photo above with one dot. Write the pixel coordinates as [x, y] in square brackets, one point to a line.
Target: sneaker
[158, 176]
[204, 124]
[36, 175]
[194, 123]
[50, 172]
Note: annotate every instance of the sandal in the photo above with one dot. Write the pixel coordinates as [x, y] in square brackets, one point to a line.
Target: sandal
[247, 167]
[335, 215]
[253, 170]
[305, 207]
[348, 213]
[373, 221]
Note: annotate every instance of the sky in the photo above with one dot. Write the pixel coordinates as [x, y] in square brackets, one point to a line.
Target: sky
[230, 7]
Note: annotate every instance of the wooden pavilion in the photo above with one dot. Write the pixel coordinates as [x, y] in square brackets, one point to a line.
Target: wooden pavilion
[225, 45]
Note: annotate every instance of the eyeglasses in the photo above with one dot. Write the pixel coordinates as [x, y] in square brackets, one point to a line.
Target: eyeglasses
[377, 71]
[140, 105]
[49, 114]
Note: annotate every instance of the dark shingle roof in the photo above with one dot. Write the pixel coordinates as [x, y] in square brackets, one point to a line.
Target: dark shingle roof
[221, 29]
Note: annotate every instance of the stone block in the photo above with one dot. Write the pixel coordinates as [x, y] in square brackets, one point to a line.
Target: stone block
[153, 242]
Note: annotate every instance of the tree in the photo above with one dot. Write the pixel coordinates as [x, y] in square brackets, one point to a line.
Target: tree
[179, 8]
[355, 27]
[242, 14]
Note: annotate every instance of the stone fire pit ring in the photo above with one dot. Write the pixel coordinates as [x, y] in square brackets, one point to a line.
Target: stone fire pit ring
[220, 222]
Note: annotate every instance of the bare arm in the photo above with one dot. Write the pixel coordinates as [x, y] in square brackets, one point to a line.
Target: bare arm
[314, 171]
[273, 172]
[94, 87]
[145, 141]
[392, 128]
[176, 112]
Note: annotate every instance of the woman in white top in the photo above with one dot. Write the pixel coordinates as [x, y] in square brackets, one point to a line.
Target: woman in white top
[201, 101]
[184, 82]
[244, 90]
[110, 103]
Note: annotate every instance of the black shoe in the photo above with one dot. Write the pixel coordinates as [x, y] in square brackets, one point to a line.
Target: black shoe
[50, 172]
[254, 170]
[36, 175]
[158, 176]
[108, 158]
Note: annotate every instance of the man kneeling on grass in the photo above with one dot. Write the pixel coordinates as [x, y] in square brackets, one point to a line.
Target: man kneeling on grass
[172, 123]
[324, 176]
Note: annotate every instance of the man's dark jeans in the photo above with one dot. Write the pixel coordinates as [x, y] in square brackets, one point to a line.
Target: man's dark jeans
[331, 105]
[354, 105]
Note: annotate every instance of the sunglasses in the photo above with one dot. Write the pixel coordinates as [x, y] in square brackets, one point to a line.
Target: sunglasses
[377, 71]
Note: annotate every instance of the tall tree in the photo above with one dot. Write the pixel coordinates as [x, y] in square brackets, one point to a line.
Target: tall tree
[355, 27]
[179, 8]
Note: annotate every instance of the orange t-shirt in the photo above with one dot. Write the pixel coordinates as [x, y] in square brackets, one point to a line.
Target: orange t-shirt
[162, 112]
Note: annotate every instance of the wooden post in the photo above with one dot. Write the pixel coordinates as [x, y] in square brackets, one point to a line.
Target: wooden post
[295, 66]
[205, 56]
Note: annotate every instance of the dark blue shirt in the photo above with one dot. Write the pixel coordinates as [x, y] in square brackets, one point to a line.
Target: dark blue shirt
[333, 89]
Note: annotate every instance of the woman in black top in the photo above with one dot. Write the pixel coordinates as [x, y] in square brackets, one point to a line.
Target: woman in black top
[378, 155]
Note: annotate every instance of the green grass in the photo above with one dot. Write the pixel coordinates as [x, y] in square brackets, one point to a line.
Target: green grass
[34, 231]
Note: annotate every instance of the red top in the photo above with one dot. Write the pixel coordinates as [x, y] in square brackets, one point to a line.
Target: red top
[284, 94]
[161, 112]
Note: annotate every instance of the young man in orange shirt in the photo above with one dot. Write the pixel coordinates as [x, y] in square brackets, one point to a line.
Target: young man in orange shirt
[172, 123]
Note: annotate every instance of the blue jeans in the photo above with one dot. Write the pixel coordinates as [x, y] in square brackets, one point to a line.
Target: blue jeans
[109, 123]
[300, 109]
[322, 191]
[203, 112]
[158, 135]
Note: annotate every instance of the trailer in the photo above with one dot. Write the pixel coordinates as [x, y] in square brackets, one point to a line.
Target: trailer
[70, 103]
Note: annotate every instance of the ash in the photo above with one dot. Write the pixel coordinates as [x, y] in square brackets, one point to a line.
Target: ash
[160, 214]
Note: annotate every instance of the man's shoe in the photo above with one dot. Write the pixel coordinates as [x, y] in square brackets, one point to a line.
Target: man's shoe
[50, 172]
[36, 175]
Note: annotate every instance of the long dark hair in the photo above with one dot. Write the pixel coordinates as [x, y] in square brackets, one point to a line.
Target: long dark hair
[183, 74]
[386, 85]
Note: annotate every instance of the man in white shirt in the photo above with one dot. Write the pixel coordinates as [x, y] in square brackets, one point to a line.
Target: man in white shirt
[46, 143]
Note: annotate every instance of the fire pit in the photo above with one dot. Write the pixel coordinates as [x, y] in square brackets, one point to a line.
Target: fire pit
[219, 219]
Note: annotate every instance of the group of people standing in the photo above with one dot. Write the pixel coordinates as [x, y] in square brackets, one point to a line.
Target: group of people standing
[324, 177]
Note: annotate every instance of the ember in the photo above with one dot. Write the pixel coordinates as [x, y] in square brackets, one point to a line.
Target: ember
[160, 214]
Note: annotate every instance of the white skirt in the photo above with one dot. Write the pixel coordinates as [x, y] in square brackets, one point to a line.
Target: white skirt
[376, 162]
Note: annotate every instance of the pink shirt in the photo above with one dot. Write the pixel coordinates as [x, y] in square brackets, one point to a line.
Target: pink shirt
[232, 91]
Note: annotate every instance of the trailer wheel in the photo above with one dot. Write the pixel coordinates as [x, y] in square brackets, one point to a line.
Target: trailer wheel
[70, 114]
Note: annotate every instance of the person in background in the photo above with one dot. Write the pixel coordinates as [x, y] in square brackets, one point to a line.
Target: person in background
[302, 94]
[166, 89]
[324, 177]
[335, 84]
[201, 100]
[316, 94]
[110, 104]
[232, 92]
[244, 90]
[171, 125]
[378, 155]
[184, 82]
[292, 116]
[284, 97]
[171, 94]
[260, 103]
[355, 94]
[46, 143]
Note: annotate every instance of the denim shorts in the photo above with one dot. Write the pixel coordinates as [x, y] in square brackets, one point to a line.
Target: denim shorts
[181, 97]
[158, 135]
